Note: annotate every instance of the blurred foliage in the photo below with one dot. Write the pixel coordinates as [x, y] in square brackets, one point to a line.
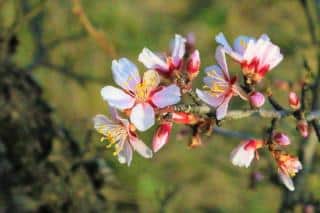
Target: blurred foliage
[50, 90]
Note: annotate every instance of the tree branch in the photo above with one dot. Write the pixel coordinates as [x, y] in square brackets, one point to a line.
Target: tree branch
[99, 36]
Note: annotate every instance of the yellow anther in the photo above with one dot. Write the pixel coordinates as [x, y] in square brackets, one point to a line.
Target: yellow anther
[243, 43]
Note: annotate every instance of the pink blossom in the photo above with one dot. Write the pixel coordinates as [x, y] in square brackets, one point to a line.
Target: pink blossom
[193, 64]
[256, 57]
[288, 167]
[162, 135]
[256, 99]
[243, 155]
[165, 64]
[138, 96]
[303, 128]
[118, 132]
[221, 87]
[294, 101]
[281, 139]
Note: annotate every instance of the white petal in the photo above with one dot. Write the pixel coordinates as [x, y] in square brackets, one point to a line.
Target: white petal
[152, 61]
[221, 59]
[286, 180]
[227, 48]
[142, 116]
[125, 155]
[240, 44]
[210, 99]
[265, 37]
[222, 109]
[101, 120]
[241, 157]
[179, 48]
[117, 98]
[250, 51]
[103, 124]
[167, 96]
[125, 74]
[217, 76]
[140, 147]
[221, 39]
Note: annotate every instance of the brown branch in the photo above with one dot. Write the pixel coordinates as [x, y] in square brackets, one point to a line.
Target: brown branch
[99, 36]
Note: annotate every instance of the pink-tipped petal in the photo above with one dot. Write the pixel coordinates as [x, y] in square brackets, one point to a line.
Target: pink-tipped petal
[161, 136]
[242, 157]
[193, 63]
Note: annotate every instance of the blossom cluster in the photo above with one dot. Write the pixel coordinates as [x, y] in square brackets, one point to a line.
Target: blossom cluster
[141, 100]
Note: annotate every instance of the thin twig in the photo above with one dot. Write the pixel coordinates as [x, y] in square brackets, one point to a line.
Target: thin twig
[99, 36]
[232, 134]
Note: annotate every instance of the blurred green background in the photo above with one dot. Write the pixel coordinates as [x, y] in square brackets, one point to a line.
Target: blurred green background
[177, 179]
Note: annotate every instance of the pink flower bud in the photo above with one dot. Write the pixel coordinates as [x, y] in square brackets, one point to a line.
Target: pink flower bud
[303, 128]
[161, 137]
[193, 64]
[294, 101]
[281, 139]
[256, 99]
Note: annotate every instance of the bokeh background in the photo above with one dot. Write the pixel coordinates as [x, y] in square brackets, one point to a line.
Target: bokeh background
[177, 179]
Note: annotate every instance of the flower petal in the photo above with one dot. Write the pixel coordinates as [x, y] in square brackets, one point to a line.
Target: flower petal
[125, 74]
[209, 99]
[140, 147]
[215, 76]
[221, 39]
[102, 123]
[240, 43]
[242, 157]
[222, 109]
[142, 116]
[221, 59]
[152, 61]
[125, 155]
[286, 180]
[167, 96]
[117, 98]
[179, 49]
[161, 136]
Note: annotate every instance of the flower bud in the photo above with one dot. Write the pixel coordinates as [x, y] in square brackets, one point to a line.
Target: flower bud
[184, 118]
[281, 139]
[303, 128]
[256, 99]
[294, 101]
[193, 64]
[162, 135]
